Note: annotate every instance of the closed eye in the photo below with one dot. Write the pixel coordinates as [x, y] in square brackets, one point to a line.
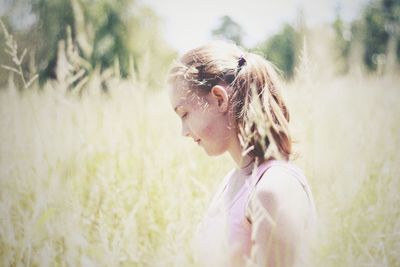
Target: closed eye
[184, 115]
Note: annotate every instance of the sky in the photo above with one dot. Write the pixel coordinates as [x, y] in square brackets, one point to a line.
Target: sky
[188, 23]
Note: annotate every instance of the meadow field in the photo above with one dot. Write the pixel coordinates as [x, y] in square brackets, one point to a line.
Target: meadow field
[105, 179]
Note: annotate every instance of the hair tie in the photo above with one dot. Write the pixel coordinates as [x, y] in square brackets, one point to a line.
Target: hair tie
[200, 72]
[241, 62]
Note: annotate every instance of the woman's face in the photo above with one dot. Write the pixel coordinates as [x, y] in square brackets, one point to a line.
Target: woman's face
[203, 120]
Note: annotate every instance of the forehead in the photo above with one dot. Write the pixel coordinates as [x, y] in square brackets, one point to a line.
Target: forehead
[181, 97]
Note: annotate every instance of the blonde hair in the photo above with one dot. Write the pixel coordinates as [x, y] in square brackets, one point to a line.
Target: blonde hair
[255, 99]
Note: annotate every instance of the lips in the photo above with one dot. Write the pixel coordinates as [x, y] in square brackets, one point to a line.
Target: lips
[198, 141]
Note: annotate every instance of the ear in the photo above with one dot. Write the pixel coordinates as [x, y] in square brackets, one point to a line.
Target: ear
[220, 94]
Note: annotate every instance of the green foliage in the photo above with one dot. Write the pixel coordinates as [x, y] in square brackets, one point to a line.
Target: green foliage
[282, 49]
[342, 43]
[123, 35]
[52, 20]
[378, 24]
[110, 36]
[376, 37]
[229, 29]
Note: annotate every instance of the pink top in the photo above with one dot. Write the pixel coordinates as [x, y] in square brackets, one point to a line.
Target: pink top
[225, 224]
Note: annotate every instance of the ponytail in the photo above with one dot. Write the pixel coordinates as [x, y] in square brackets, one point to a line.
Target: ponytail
[260, 111]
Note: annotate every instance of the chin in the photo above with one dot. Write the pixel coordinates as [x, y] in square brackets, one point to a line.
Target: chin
[212, 154]
[215, 152]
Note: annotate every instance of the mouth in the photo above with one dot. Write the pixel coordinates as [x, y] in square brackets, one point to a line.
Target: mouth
[198, 141]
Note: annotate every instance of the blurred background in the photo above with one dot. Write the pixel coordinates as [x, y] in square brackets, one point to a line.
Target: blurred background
[94, 172]
[356, 34]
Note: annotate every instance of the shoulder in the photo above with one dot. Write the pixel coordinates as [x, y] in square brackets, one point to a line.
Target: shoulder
[279, 211]
[280, 193]
[281, 178]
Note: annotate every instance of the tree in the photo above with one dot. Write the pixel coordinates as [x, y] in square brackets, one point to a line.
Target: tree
[282, 49]
[106, 33]
[342, 43]
[51, 25]
[229, 29]
[381, 32]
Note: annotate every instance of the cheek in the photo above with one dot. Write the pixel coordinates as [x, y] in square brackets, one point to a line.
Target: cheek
[203, 129]
[217, 139]
[215, 130]
[209, 131]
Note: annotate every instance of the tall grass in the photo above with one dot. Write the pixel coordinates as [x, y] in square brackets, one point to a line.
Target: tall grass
[350, 154]
[104, 179]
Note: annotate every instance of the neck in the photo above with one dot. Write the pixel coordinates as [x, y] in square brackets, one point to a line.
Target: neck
[236, 152]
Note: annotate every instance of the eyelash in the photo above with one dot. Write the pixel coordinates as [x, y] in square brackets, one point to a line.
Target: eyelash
[184, 116]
